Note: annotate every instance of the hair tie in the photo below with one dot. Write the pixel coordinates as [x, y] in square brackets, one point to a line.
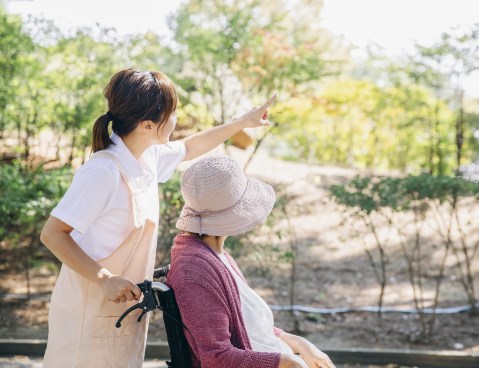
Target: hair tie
[110, 116]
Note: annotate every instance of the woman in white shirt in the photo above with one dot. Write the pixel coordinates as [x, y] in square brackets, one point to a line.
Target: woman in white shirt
[104, 229]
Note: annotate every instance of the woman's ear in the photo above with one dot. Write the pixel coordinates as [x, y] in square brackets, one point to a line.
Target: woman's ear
[147, 125]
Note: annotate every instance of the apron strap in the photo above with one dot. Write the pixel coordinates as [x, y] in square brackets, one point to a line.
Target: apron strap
[106, 154]
[134, 250]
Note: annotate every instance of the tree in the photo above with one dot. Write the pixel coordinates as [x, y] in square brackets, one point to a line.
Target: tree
[357, 123]
[453, 57]
[15, 47]
[29, 109]
[291, 52]
[290, 55]
[82, 67]
[208, 35]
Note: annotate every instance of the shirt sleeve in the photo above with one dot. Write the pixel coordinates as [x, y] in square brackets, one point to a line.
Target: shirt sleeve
[207, 320]
[85, 199]
[168, 156]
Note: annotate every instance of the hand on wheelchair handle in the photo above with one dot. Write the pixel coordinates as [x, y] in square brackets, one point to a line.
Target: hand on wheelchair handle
[118, 289]
[148, 303]
[159, 295]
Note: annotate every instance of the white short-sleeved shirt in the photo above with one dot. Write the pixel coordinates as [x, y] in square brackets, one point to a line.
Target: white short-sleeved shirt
[98, 202]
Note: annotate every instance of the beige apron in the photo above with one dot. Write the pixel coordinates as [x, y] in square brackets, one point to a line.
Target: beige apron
[82, 330]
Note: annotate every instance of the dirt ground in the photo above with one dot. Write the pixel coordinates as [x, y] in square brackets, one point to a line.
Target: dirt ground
[26, 362]
[332, 271]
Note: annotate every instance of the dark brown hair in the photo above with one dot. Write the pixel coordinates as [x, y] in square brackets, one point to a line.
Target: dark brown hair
[134, 96]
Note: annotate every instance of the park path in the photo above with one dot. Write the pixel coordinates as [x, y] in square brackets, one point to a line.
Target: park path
[29, 362]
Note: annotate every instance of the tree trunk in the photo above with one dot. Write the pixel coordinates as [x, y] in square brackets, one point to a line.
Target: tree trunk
[440, 154]
[432, 141]
[73, 144]
[460, 131]
[58, 145]
[2, 131]
[29, 132]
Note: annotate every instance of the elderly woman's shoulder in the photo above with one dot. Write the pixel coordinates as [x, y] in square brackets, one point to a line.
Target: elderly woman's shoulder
[189, 266]
[189, 271]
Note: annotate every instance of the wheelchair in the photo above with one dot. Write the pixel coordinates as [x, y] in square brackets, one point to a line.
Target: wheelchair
[158, 295]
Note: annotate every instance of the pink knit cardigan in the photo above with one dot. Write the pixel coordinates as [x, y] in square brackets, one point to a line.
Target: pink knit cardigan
[210, 306]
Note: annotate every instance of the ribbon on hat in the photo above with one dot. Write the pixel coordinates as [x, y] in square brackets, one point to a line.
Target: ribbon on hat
[194, 213]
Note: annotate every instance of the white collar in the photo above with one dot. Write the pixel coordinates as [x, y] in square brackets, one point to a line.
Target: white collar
[139, 173]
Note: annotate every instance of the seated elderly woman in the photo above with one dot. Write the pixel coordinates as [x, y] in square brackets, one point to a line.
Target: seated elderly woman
[227, 324]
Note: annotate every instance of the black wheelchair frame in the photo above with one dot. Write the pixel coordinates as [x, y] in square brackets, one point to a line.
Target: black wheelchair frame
[159, 295]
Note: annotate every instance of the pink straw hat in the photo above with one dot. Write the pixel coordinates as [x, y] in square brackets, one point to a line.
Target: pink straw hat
[220, 200]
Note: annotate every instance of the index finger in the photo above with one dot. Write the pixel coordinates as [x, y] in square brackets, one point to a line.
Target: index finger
[136, 291]
[269, 102]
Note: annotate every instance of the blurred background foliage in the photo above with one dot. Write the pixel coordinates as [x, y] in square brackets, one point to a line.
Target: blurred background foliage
[407, 115]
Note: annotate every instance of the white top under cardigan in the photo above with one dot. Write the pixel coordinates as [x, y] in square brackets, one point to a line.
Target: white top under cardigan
[258, 317]
[98, 202]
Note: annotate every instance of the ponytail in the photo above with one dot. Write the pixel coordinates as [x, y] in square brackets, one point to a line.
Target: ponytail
[101, 137]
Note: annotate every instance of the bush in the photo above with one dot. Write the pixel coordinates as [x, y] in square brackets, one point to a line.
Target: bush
[28, 196]
[171, 203]
[376, 201]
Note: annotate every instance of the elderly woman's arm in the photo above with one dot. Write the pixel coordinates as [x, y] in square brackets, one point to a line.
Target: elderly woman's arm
[310, 353]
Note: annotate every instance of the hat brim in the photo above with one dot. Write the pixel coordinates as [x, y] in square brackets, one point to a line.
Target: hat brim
[250, 211]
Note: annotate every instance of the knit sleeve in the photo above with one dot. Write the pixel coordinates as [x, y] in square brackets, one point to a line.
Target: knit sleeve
[207, 320]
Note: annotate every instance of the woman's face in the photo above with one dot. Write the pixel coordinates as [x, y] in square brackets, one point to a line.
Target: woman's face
[165, 130]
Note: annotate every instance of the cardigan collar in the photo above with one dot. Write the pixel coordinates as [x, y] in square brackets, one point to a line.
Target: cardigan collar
[191, 245]
[187, 244]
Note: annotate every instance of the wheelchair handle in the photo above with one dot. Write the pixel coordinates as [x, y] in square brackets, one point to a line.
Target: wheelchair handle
[161, 272]
[149, 301]
[159, 286]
